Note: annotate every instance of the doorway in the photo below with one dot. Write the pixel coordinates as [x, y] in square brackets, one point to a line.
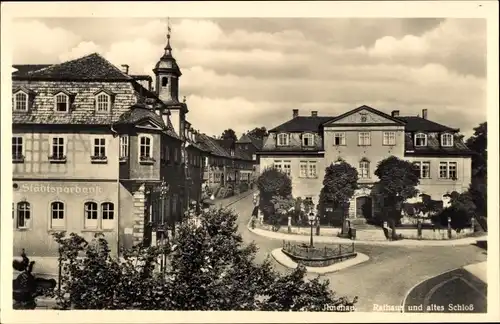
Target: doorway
[364, 207]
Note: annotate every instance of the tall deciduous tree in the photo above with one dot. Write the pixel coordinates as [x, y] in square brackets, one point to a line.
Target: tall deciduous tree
[229, 134]
[339, 185]
[209, 268]
[398, 180]
[478, 189]
[258, 132]
[272, 182]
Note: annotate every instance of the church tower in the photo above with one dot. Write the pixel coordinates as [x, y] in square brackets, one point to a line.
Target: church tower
[167, 74]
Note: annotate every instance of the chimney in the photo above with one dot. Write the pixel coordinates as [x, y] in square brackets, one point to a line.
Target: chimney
[295, 113]
[125, 68]
[314, 113]
[424, 113]
[395, 113]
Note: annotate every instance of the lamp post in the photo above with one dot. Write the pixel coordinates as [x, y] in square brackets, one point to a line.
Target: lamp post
[161, 230]
[311, 219]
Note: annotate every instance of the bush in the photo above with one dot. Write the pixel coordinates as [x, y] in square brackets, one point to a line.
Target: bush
[208, 268]
[272, 182]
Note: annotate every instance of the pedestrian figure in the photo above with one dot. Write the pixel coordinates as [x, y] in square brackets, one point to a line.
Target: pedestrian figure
[255, 214]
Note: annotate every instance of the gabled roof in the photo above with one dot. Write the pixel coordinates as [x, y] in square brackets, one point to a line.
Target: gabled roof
[213, 146]
[87, 68]
[302, 124]
[25, 68]
[414, 124]
[141, 112]
[434, 147]
[367, 108]
[246, 138]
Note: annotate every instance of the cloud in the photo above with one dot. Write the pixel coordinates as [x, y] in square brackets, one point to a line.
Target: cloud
[35, 42]
[254, 71]
[82, 49]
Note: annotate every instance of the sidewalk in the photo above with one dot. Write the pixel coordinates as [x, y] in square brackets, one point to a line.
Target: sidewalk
[226, 202]
[335, 239]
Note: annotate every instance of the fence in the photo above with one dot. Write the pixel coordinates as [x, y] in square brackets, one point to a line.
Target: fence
[303, 251]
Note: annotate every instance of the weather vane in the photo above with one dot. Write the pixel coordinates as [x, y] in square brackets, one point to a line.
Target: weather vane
[168, 27]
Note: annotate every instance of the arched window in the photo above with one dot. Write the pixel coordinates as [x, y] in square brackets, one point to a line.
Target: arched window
[57, 214]
[91, 215]
[23, 214]
[20, 101]
[447, 140]
[107, 215]
[420, 139]
[308, 139]
[364, 169]
[103, 102]
[283, 139]
[164, 81]
[61, 103]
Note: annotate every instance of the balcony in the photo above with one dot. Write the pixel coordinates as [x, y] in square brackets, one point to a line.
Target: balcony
[17, 158]
[98, 159]
[57, 158]
[147, 160]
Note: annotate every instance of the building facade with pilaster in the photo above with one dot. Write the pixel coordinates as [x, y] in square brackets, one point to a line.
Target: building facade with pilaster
[305, 145]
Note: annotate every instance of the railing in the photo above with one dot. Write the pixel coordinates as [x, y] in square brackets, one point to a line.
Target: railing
[302, 251]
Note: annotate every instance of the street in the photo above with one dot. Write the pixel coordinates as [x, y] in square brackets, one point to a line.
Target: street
[387, 277]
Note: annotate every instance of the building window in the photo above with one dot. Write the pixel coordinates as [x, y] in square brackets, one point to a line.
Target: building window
[448, 170]
[145, 149]
[308, 169]
[23, 214]
[420, 139]
[283, 166]
[17, 149]
[283, 139]
[20, 101]
[308, 140]
[364, 138]
[107, 215]
[123, 147]
[58, 149]
[57, 214]
[447, 140]
[164, 81]
[62, 103]
[389, 138]
[364, 169]
[99, 149]
[91, 215]
[423, 169]
[103, 102]
[339, 139]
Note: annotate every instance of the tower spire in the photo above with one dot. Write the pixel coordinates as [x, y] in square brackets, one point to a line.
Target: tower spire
[168, 48]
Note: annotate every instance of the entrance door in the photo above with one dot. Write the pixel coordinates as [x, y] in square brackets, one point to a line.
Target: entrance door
[364, 207]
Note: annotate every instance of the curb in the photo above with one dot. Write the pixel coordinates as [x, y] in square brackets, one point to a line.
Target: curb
[331, 239]
[282, 259]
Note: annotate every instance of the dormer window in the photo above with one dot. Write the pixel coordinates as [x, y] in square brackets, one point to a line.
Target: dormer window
[447, 140]
[20, 101]
[61, 103]
[103, 101]
[308, 139]
[420, 140]
[283, 139]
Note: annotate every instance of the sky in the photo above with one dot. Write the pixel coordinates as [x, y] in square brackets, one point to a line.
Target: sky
[250, 72]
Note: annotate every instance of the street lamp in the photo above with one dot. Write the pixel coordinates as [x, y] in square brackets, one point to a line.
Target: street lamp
[161, 229]
[311, 219]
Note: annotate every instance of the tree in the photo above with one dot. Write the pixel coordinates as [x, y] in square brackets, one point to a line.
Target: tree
[398, 180]
[283, 206]
[478, 143]
[478, 189]
[460, 212]
[229, 134]
[258, 132]
[272, 182]
[209, 268]
[339, 184]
